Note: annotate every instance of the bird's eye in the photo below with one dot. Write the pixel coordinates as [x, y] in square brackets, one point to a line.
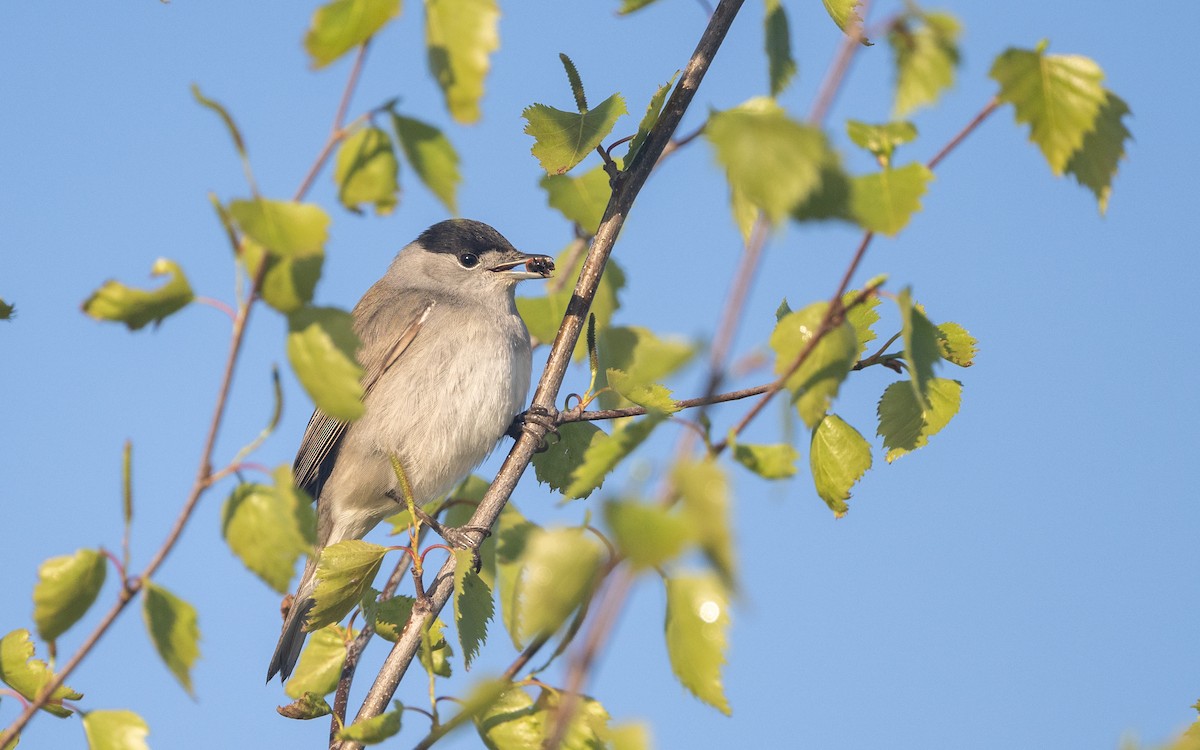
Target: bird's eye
[468, 260]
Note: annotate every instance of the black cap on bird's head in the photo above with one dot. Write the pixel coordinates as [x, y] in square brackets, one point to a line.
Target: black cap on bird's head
[475, 244]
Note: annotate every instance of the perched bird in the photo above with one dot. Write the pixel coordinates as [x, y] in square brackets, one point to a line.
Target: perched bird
[446, 362]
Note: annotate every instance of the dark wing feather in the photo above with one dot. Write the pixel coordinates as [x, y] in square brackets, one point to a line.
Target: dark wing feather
[318, 448]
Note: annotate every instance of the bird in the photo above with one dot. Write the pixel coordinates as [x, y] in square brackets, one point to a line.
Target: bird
[446, 361]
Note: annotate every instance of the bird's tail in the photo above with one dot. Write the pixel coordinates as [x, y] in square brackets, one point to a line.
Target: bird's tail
[287, 651]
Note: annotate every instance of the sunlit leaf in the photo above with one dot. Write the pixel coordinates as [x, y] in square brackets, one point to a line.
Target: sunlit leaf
[432, 157]
[136, 307]
[344, 571]
[768, 461]
[557, 464]
[558, 569]
[289, 282]
[650, 118]
[845, 13]
[115, 730]
[563, 139]
[925, 49]
[391, 615]
[886, 200]
[1095, 163]
[956, 344]
[512, 536]
[644, 358]
[581, 199]
[839, 456]
[862, 317]
[516, 720]
[67, 586]
[320, 664]
[307, 706]
[816, 382]
[28, 676]
[629, 6]
[655, 398]
[435, 651]
[340, 26]
[630, 736]
[922, 349]
[376, 729]
[365, 170]
[269, 528]
[703, 488]
[604, 453]
[880, 140]
[285, 228]
[697, 631]
[904, 425]
[174, 631]
[472, 606]
[647, 535]
[460, 35]
[321, 346]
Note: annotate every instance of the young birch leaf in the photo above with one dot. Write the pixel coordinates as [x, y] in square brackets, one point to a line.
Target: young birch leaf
[767, 461]
[344, 571]
[288, 283]
[655, 398]
[365, 170]
[781, 67]
[172, 625]
[563, 139]
[376, 729]
[391, 615]
[115, 730]
[629, 6]
[885, 201]
[512, 536]
[862, 317]
[880, 140]
[653, 110]
[704, 490]
[845, 13]
[771, 160]
[647, 535]
[67, 586]
[815, 384]
[268, 528]
[135, 307]
[558, 570]
[926, 58]
[285, 228]
[321, 346]
[1059, 96]
[643, 357]
[904, 425]
[581, 199]
[957, 345]
[307, 706]
[922, 349]
[839, 456]
[556, 465]
[697, 629]
[515, 720]
[575, 82]
[1095, 163]
[603, 455]
[831, 198]
[432, 157]
[320, 666]
[630, 736]
[238, 142]
[340, 26]
[459, 37]
[435, 652]
[472, 606]
[7, 311]
[27, 675]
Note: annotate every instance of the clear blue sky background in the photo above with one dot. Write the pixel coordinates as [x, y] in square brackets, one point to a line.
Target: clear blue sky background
[1028, 580]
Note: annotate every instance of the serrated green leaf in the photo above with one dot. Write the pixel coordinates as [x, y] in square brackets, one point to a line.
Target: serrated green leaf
[391, 615]
[880, 140]
[650, 118]
[512, 536]
[432, 157]
[655, 398]
[268, 528]
[136, 307]
[28, 676]
[320, 665]
[365, 170]
[344, 571]
[885, 201]
[115, 730]
[460, 35]
[307, 706]
[647, 535]
[956, 344]
[604, 453]
[697, 630]
[515, 720]
[904, 425]
[769, 159]
[322, 346]
[544, 315]
[922, 348]
[1095, 163]
[472, 606]
[925, 50]
[171, 623]
[559, 568]
[643, 357]
[1058, 96]
[435, 651]
[831, 198]
[285, 228]
[703, 489]
[563, 139]
[839, 456]
[781, 67]
[862, 317]
[558, 462]
[67, 586]
[582, 199]
[7, 311]
[845, 13]
[815, 384]
[340, 26]
[576, 83]
[376, 729]
[288, 283]
[768, 461]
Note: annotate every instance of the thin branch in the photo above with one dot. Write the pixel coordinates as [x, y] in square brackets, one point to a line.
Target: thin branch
[970, 127]
[832, 83]
[337, 131]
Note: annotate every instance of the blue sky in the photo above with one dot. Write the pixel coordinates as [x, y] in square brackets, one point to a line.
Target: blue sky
[1027, 580]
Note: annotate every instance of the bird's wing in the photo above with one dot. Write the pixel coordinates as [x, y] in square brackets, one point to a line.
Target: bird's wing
[318, 448]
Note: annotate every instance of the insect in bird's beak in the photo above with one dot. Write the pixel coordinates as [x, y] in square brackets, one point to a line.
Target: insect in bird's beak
[533, 267]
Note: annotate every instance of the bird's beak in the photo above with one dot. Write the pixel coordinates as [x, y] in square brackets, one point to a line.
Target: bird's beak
[521, 266]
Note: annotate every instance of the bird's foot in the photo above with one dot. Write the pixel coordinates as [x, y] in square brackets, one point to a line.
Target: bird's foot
[535, 417]
[458, 537]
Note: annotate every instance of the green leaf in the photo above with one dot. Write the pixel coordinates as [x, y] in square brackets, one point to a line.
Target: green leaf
[288, 283]
[515, 720]
[172, 625]
[885, 201]
[925, 49]
[1059, 96]
[459, 37]
[839, 456]
[768, 461]
[320, 666]
[769, 159]
[845, 13]
[575, 82]
[957, 346]
[861, 317]
[880, 140]
[512, 537]
[655, 398]
[472, 606]
[268, 528]
[604, 453]
[344, 571]
[135, 307]
[391, 615]
[904, 425]
[831, 198]
[321, 346]
[563, 139]
[342, 25]
[432, 157]
[28, 676]
[653, 110]
[435, 651]
[287, 229]
[647, 535]
[307, 706]
[559, 568]
[543, 315]
[67, 586]
[115, 730]
[630, 736]
[704, 490]
[815, 383]
[376, 729]
[643, 357]
[365, 170]
[697, 635]
[781, 67]
[922, 349]
[7, 311]
[1095, 163]
[559, 461]
[582, 199]
[238, 142]
[629, 6]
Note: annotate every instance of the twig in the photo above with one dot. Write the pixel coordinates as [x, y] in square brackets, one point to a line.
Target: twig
[975, 122]
[832, 82]
[337, 132]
